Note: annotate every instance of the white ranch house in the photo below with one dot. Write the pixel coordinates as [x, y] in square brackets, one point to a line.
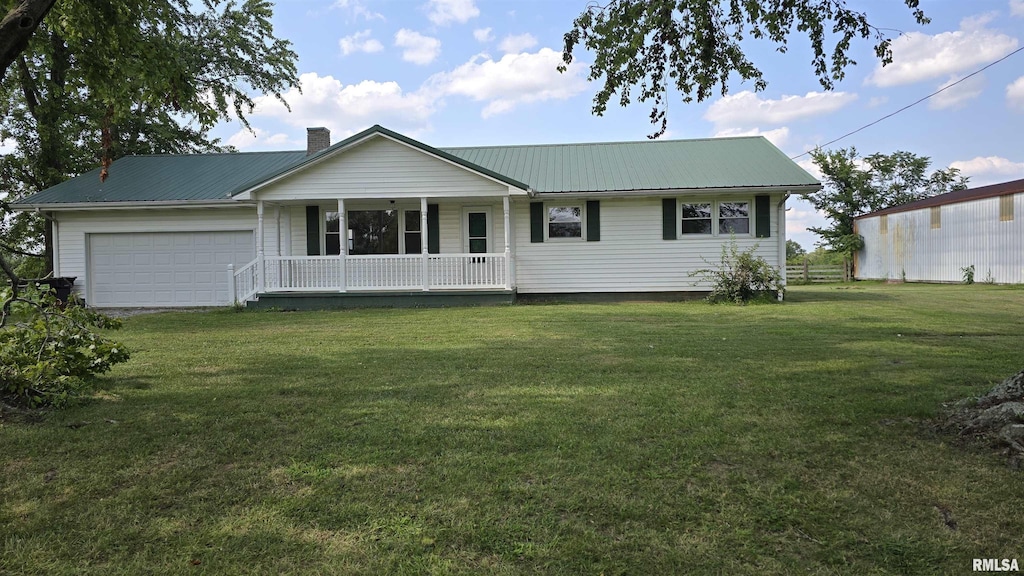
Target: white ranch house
[935, 239]
[380, 218]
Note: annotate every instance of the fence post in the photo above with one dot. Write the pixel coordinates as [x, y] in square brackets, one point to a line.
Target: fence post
[846, 270]
[807, 275]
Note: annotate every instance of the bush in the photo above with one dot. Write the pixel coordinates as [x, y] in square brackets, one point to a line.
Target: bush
[741, 277]
[48, 353]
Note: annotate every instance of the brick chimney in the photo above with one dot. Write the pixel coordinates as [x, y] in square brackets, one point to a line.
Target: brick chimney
[317, 139]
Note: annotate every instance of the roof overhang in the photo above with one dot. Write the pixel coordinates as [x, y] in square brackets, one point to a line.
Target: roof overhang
[795, 189]
[128, 205]
[515, 187]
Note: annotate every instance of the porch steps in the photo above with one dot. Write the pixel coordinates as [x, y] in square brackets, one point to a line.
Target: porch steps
[413, 299]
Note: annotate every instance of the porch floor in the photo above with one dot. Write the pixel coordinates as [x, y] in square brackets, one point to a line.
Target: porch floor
[396, 299]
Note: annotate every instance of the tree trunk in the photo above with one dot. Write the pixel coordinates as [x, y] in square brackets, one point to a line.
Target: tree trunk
[17, 27]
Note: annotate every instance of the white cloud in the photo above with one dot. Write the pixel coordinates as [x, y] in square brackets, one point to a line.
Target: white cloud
[1017, 7]
[989, 169]
[359, 42]
[877, 101]
[443, 12]
[746, 109]
[8, 146]
[260, 138]
[347, 109]
[514, 44]
[484, 34]
[357, 9]
[918, 56]
[1015, 93]
[513, 80]
[417, 48]
[779, 136]
[958, 96]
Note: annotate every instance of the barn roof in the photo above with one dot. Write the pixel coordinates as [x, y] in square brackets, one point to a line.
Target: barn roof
[990, 191]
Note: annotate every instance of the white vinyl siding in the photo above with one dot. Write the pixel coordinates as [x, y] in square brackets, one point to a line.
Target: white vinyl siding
[971, 234]
[74, 226]
[631, 255]
[381, 168]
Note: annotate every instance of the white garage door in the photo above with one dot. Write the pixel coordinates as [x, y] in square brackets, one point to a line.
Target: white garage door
[165, 268]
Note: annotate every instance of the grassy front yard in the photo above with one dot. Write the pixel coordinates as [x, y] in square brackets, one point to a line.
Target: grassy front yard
[575, 439]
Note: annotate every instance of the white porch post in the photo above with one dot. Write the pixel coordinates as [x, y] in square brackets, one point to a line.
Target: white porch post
[231, 285]
[261, 262]
[423, 244]
[508, 244]
[277, 221]
[343, 240]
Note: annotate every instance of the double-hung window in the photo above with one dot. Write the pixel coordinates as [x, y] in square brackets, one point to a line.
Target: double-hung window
[714, 218]
[565, 221]
[734, 217]
[696, 218]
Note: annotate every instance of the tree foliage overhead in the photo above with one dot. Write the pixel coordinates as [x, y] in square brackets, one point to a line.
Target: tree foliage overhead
[642, 48]
[101, 79]
[853, 186]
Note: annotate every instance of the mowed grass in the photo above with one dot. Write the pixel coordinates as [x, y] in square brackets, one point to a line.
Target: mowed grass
[639, 438]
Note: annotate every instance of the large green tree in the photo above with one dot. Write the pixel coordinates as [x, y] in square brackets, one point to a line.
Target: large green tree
[100, 79]
[641, 48]
[853, 186]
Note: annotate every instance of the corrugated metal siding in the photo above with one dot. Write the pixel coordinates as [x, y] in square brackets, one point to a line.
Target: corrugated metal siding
[73, 228]
[970, 234]
[381, 168]
[631, 255]
[653, 165]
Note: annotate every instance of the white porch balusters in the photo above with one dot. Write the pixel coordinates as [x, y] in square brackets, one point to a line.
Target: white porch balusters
[343, 240]
[508, 244]
[259, 247]
[423, 244]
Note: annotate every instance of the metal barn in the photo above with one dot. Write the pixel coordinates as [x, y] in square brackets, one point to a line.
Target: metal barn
[939, 238]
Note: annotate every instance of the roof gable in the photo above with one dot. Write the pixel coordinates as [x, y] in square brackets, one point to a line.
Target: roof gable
[356, 140]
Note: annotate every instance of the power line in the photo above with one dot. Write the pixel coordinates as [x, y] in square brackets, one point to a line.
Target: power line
[915, 103]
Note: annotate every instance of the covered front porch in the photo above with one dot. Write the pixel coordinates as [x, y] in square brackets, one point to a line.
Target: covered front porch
[378, 246]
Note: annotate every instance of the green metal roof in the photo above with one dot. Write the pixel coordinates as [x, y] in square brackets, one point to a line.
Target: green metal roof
[603, 167]
[168, 178]
[651, 165]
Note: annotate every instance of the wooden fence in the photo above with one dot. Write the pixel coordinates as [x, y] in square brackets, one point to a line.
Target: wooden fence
[818, 273]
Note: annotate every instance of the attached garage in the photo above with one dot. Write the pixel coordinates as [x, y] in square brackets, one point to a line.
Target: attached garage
[164, 268]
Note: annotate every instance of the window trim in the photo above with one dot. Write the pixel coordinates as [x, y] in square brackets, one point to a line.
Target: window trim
[582, 205]
[716, 217]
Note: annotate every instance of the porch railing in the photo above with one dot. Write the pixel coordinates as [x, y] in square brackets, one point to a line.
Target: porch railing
[373, 273]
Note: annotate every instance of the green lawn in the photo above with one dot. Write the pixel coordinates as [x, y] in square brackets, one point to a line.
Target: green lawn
[577, 439]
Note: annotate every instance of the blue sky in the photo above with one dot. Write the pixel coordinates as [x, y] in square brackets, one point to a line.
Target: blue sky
[480, 72]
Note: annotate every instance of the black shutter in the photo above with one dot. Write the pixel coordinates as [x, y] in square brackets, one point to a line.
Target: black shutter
[593, 220]
[433, 229]
[536, 221]
[762, 217]
[668, 218]
[312, 230]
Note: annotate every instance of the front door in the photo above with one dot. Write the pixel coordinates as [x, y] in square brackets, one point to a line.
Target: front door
[477, 230]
